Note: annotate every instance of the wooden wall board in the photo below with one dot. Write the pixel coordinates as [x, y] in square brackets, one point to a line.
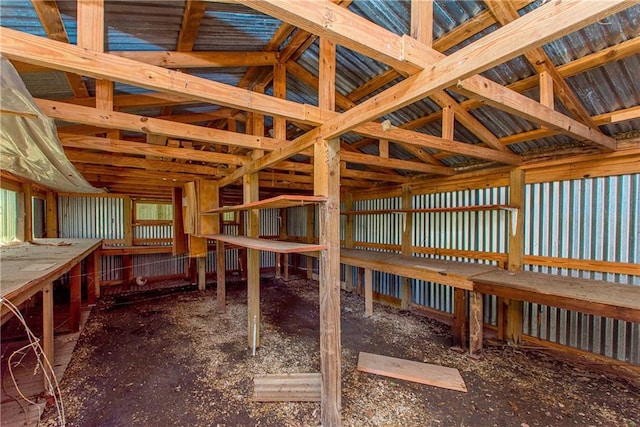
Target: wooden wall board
[423, 373]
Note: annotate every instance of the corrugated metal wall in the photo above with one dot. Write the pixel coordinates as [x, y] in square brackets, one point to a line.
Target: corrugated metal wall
[595, 219]
[90, 217]
[8, 215]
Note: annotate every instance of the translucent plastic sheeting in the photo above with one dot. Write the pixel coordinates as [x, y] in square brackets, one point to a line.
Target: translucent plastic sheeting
[29, 145]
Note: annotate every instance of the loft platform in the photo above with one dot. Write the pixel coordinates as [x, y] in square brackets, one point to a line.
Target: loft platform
[267, 245]
[282, 201]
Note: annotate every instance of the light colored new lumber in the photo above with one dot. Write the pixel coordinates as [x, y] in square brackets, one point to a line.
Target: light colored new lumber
[282, 201]
[24, 47]
[171, 59]
[301, 387]
[423, 373]
[267, 245]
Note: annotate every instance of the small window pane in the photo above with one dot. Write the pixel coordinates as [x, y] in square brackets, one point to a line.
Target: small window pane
[154, 212]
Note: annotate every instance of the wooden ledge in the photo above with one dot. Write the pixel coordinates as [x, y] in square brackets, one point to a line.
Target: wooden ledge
[267, 245]
[283, 201]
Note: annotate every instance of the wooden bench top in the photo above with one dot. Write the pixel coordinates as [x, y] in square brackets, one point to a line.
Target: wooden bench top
[597, 297]
[452, 273]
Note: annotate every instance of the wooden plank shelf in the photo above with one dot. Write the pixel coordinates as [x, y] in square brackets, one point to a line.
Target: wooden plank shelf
[614, 300]
[282, 201]
[430, 210]
[267, 245]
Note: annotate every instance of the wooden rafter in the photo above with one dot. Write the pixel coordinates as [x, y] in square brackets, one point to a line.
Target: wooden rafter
[191, 19]
[178, 59]
[149, 125]
[540, 61]
[53, 25]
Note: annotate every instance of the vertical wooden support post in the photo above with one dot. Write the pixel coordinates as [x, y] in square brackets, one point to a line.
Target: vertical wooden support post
[251, 192]
[516, 252]
[475, 322]
[25, 213]
[202, 273]
[546, 90]
[221, 297]
[368, 292]
[47, 327]
[242, 252]
[90, 36]
[127, 220]
[127, 271]
[97, 271]
[422, 21]
[459, 318]
[311, 211]
[280, 132]
[90, 277]
[407, 234]
[52, 215]
[75, 282]
[253, 263]
[208, 198]
[326, 182]
[383, 148]
[348, 240]
[180, 241]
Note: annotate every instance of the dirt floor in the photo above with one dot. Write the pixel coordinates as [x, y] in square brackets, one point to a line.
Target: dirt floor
[168, 358]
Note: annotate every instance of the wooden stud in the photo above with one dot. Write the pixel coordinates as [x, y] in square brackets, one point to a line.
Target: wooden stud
[546, 90]
[25, 213]
[327, 183]
[47, 327]
[52, 215]
[515, 255]
[127, 271]
[75, 284]
[475, 322]
[422, 21]
[180, 239]
[202, 273]
[90, 276]
[310, 238]
[459, 318]
[368, 292]
[127, 220]
[383, 148]
[407, 245]
[221, 297]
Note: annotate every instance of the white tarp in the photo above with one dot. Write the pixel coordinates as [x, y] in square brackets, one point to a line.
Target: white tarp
[29, 145]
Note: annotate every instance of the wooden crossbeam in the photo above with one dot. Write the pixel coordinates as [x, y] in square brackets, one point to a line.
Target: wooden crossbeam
[132, 122]
[171, 59]
[137, 148]
[53, 25]
[33, 49]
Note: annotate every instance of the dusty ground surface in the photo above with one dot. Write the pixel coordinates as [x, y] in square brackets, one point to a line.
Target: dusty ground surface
[168, 358]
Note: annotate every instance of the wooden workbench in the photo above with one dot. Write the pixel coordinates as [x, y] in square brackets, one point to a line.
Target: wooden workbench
[29, 268]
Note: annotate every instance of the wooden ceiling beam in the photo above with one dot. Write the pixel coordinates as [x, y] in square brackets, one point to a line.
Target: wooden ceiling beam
[143, 149]
[540, 61]
[150, 125]
[169, 59]
[534, 29]
[49, 14]
[85, 156]
[365, 159]
[33, 49]
[346, 28]
[134, 173]
[519, 105]
[194, 11]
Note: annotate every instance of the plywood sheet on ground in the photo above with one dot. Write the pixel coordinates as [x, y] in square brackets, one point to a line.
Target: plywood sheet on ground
[423, 373]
